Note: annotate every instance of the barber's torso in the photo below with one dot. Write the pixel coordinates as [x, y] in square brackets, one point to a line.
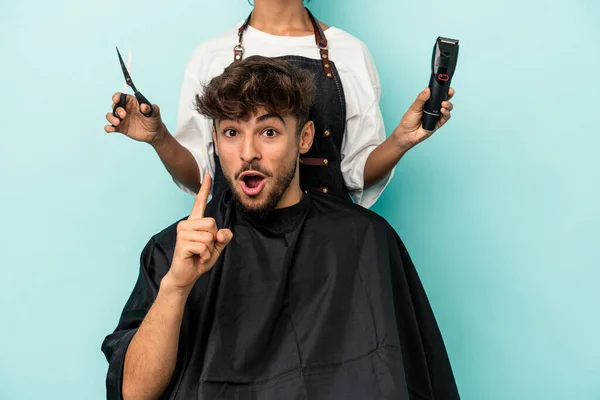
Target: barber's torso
[345, 89]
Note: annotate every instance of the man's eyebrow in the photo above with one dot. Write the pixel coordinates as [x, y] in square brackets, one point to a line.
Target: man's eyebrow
[269, 116]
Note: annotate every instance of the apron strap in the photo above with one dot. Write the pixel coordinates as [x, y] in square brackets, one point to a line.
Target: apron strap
[238, 50]
[320, 40]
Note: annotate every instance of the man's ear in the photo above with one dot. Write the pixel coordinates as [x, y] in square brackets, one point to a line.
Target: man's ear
[306, 137]
[214, 135]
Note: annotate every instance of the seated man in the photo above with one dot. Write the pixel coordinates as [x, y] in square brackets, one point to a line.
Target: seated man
[266, 292]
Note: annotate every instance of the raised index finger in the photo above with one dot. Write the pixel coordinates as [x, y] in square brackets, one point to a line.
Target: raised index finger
[201, 198]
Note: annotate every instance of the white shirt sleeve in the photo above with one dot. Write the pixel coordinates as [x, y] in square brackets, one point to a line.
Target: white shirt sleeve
[194, 131]
[365, 129]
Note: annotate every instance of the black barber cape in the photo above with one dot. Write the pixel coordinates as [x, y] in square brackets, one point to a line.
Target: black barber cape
[319, 302]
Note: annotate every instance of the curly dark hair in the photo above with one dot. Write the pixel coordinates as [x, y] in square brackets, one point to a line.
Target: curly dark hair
[258, 82]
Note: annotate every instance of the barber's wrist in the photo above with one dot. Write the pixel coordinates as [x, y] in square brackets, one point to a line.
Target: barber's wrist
[162, 140]
[402, 140]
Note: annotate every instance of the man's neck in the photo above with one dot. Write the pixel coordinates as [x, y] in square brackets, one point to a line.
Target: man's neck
[281, 17]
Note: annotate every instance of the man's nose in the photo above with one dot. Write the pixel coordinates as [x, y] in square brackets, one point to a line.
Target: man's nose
[249, 149]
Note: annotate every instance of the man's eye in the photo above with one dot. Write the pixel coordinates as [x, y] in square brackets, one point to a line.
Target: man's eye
[230, 132]
[270, 132]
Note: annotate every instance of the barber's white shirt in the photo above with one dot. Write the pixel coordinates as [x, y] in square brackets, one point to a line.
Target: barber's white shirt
[364, 124]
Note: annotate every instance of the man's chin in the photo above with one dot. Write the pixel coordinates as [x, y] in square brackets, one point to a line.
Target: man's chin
[251, 202]
[255, 205]
[266, 198]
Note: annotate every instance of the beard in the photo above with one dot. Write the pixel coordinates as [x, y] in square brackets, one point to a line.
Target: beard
[281, 183]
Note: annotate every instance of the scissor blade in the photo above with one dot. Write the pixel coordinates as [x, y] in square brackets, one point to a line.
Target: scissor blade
[124, 68]
[125, 87]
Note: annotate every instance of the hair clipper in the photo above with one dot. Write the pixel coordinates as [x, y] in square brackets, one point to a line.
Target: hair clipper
[443, 64]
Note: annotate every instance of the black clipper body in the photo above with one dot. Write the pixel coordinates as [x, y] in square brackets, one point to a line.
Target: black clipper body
[443, 64]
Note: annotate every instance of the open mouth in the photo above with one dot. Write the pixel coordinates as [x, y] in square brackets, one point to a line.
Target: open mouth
[252, 183]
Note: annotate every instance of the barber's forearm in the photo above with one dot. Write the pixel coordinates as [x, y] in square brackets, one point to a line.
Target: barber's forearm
[177, 160]
[383, 158]
[152, 354]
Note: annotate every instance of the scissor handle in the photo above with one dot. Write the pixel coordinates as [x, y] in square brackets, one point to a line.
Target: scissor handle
[122, 103]
[141, 100]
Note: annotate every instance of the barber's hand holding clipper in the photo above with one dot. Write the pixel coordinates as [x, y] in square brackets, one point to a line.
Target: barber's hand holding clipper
[432, 108]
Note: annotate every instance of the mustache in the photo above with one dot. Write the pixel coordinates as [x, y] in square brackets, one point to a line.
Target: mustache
[253, 166]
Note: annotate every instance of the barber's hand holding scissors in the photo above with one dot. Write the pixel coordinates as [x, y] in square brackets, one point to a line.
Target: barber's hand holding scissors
[134, 115]
[199, 244]
[133, 123]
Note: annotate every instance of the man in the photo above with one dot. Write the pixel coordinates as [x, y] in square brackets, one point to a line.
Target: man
[267, 292]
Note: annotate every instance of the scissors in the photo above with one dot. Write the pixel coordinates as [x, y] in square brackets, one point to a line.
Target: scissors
[123, 99]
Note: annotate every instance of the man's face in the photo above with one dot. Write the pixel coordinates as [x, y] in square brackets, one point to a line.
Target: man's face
[259, 158]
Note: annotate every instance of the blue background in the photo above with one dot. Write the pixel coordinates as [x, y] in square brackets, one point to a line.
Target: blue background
[499, 209]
